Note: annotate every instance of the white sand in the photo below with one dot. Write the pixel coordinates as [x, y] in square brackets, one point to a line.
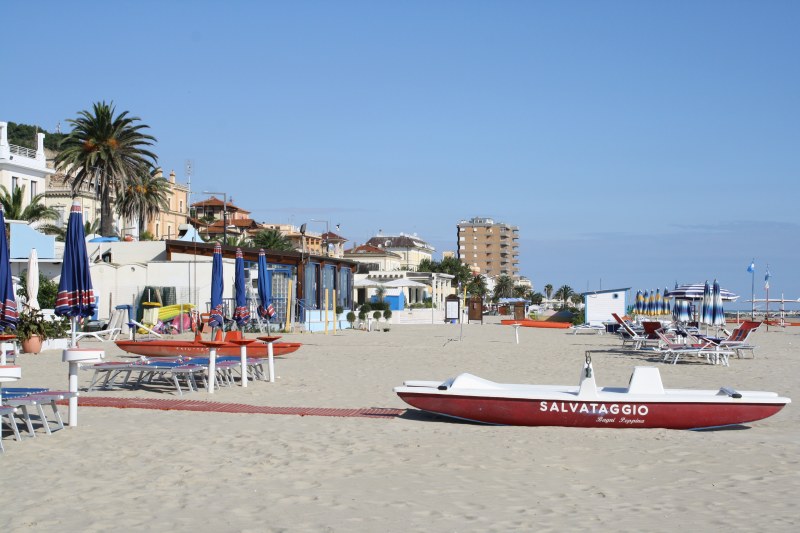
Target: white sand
[129, 469]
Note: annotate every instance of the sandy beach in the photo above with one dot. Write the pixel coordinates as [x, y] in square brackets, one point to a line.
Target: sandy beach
[134, 470]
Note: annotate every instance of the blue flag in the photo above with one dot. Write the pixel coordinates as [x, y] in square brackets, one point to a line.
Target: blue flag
[766, 278]
[752, 267]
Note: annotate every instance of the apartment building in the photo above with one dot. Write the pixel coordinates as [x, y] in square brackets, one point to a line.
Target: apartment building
[489, 248]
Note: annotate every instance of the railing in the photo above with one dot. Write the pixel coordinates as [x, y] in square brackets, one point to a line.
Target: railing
[21, 150]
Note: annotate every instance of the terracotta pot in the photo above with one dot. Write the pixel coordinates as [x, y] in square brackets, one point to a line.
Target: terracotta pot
[33, 344]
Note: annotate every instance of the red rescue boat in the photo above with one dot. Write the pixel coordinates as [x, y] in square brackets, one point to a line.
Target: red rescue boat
[171, 348]
[644, 403]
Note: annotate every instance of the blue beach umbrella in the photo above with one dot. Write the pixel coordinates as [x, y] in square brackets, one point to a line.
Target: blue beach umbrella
[645, 302]
[75, 296]
[658, 304]
[217, 318]
[8, 304]
[717, 311]
[694, 291]
[242, 313]
[705, 306]
[667, 310]
[265, 308]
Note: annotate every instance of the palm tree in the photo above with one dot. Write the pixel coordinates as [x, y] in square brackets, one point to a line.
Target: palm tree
[272, 239]
[548, 291]
[536, 298]
[143, 197]
[60, 232]
[503, 287]
[33, 212]
[477, 286]
[108, 150]
[564, 292]
[576, 299]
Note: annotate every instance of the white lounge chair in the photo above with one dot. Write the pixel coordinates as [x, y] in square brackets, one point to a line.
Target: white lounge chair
[110, 332]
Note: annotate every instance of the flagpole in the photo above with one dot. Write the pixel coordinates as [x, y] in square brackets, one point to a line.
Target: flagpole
[753, 290]
[766, 286]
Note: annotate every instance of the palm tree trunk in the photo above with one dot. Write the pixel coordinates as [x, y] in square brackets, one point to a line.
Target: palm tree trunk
[106, 216]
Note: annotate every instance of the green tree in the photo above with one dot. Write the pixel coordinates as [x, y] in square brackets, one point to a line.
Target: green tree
[576, 299]
[60, 232]
[477, 286]
[536, 298]
[143, 197]
[503, 287]
[107, 149]
[427, 265]
[521, 291]
[272, 239]
[380, 293]
[454, 267]
[33, 212]
[548, 291]
[563, 293]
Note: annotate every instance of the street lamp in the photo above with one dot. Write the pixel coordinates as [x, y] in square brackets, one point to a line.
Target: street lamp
[224, 214]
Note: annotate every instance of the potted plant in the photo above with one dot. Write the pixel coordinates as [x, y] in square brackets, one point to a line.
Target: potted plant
[31, 331]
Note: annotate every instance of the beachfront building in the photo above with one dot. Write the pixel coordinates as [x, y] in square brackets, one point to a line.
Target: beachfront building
[410, 248]
[166, 224]
[215, 218]
[599, 305]
[23, 167]
[370, 258]
[488, 247]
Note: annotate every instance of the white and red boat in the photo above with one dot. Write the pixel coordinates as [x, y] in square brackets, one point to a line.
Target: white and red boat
[644, 403]
[171, 348]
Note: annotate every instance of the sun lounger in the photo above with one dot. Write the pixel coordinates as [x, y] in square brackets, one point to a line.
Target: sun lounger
[110, 332]
[697, 347]
[8, 412]
[587, 328]
[23, 398]
[738, 340]
[633, 338]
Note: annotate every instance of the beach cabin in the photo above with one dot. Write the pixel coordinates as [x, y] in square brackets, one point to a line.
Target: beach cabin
[598, 305]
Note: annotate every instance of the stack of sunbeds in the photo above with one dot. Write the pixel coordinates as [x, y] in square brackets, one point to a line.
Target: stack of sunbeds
[170, 371]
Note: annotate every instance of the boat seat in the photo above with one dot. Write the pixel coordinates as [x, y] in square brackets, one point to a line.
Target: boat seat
[469, 381]
[645, 380]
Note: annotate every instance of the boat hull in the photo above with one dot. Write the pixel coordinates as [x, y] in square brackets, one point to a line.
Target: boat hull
[172, 348]
[590, 414]
[527, 323]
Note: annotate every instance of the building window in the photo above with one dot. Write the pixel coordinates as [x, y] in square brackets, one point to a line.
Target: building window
[14, 183]
[86, 214]
[157, 234]
[180, 203]
[33, 189]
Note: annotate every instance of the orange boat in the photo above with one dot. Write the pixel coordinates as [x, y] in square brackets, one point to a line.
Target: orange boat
[528, 323]
[172, 348]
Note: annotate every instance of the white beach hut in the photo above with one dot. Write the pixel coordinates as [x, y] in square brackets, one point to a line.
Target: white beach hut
[600, 304]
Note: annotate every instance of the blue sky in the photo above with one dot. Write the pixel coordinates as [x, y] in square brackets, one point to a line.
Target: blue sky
[637, 143]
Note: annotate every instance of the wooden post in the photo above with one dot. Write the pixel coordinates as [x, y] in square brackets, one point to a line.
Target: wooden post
[326, 311]
[288, 323]
[335, 316]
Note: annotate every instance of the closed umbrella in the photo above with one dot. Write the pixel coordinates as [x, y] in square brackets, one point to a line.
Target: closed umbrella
[8, 304]
[645, 302]
[666, 310]
[639, 304]
[651, 304]
[242, 313]
[717, 311]
[217, 315]
[75, 296]
[32, 283]
[705, 306]
[265, 307]
[658, 304]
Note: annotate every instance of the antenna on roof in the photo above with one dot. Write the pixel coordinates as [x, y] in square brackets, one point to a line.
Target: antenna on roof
[187, 171]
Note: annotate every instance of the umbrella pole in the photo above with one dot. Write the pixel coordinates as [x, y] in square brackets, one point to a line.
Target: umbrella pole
[243, 357]
[74, 341]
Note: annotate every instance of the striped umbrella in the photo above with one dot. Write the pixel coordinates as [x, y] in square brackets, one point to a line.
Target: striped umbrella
[645, 302]
[666, 311]
[75, 296]
[651, 304]
[717, 311]
[639, 306]
[217, 318]
[265, 307]
[8, 304]
[694, 291]
[242, 313]
[658, 304]
[705, 306]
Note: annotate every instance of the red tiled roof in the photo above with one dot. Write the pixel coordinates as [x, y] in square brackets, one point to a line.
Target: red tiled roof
[366, 249]
[216, 202]
[331, 236]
